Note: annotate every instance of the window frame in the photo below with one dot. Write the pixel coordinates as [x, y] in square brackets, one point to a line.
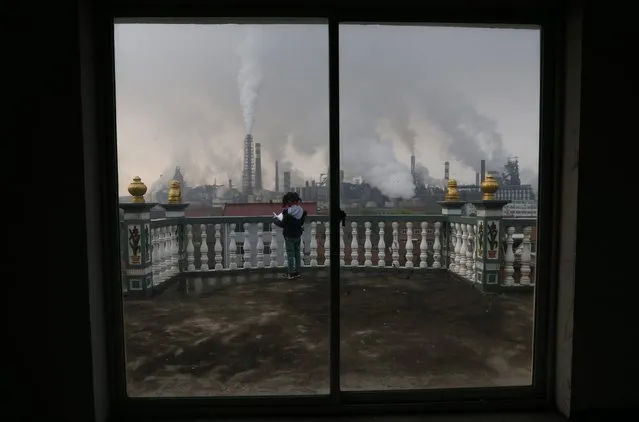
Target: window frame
[454, 13]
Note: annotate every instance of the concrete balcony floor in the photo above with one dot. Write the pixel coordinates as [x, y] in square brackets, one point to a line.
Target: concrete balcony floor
[234, 333]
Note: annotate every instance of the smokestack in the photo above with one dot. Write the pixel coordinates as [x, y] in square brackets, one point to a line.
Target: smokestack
[287, 181]
[247, 166]
[258, 166]
[477, 179]
[446, 171]
[483, 170]
[277, 176]
[412, 165]
[230, 183]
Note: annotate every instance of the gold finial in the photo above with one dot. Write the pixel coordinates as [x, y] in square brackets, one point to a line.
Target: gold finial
[175, 192]
[489, 186]
[452, 194]
[137, 189]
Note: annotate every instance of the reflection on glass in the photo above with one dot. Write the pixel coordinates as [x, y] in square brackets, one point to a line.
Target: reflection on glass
[432, 114]
[219, 122]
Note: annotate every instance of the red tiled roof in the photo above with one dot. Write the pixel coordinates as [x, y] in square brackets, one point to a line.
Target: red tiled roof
[258, 209]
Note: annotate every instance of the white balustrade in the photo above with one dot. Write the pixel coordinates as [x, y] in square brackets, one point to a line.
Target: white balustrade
[260, 245]
[461, 268]
[327, 244]
[190, 248]
[460, 245]
[354, 247]
[313, 262]
[381, 246]
[423, 247]
[395, 245]
[232, 248]
[509, 258]
[273, 247]
[218, 247]
[409, 245]
[204, 248]
[470, 247]
[342, 262]
[247, 247]
[526, 257]
[368, 246]
[437, 247]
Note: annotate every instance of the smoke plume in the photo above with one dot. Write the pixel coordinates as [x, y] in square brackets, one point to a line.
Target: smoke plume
[249, 78]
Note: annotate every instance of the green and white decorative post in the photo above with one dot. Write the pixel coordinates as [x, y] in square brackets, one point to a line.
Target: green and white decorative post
[451, 207]
[488, 237]
[137, 226]
[176, 210]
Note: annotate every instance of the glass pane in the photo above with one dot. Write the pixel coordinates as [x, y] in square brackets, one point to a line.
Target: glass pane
[219, 122]
[438, 294]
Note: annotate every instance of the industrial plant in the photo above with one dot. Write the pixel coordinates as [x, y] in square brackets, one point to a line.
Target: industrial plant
[357, 195]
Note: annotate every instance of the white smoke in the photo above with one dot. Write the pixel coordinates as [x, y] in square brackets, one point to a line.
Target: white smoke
[249, 78]
[378, 166]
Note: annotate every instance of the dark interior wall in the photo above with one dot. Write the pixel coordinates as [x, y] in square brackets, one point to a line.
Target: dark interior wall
[49, 316]
[605, 369]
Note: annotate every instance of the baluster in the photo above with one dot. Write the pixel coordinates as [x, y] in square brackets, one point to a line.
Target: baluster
[458, 245]
[470, 253]
[302, 244]
[218, 247]
[341, 246]
[273, 244]
[164, 269]
[232, 248]
[423, 247]
[155, 256]
[175, 250]
[260, 245]
[526, 257]
[461, 268]
[313, 244]
[395, 245]
[327, 244]
[409, 245]
[509, 259]
[354, 246]
[451, 248]
[437, 247]
[368, 246]
[190, 249]
[381, 246]
[204, 248]
[247, 247]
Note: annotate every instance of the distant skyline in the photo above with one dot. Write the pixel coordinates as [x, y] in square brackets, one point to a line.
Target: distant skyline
[186, 94]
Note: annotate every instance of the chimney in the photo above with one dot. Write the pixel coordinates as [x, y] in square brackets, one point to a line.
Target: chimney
[277, 176]
[477, 179]
[483, 170]
[230, 183]
[412, 165]
[258, 166]
[446, 171]
[287, 181]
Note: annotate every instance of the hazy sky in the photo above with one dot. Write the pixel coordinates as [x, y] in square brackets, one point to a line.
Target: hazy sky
[186, 95]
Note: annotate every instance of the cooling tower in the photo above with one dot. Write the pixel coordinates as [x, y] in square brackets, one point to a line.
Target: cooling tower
[258, 167]
[247, 166]
[483, 170]
[277, 176]
[287, 181]
[446, 170]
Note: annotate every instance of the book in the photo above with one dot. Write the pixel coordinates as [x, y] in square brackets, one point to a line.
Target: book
[279, 216]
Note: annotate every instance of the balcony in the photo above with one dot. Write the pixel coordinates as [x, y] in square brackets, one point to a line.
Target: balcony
[436, 301]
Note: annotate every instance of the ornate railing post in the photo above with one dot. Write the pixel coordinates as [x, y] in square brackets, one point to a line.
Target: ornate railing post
[139, 252]
[451, 207]
[176, 211]
[488, 237]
